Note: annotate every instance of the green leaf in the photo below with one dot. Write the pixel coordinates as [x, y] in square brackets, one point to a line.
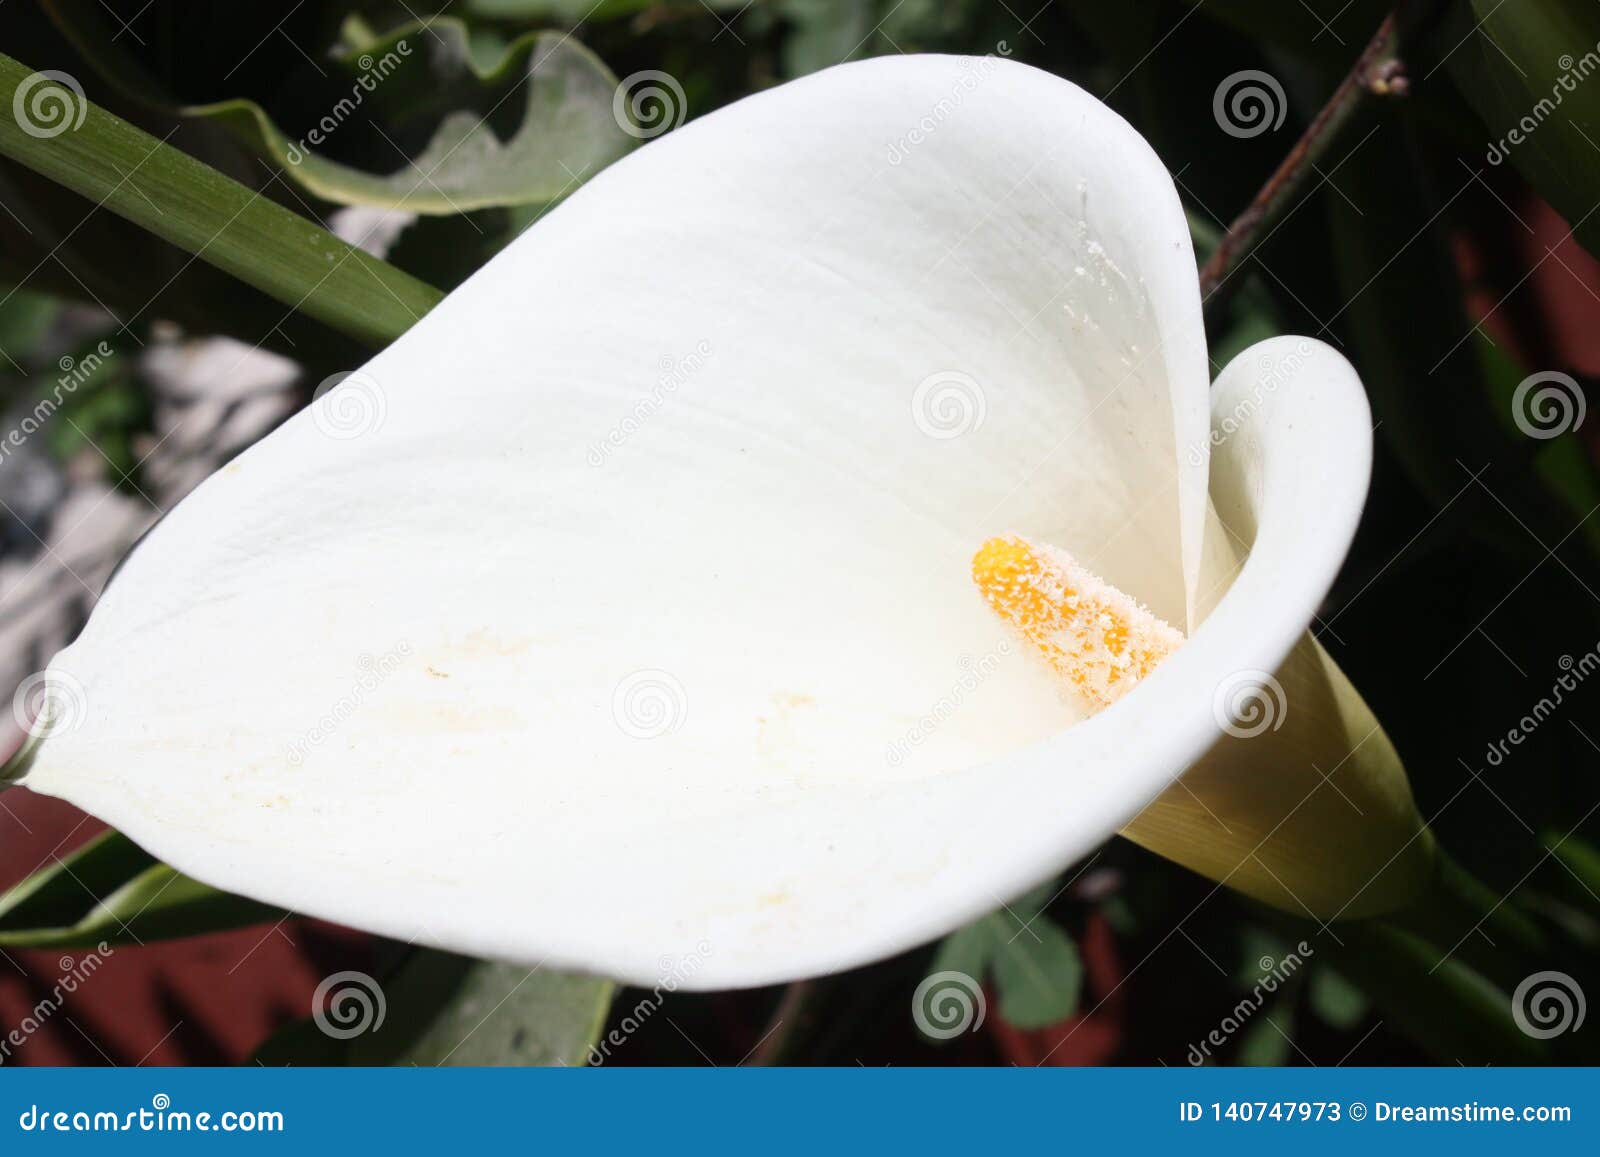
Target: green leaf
[1528, 70]
[571, 11]
[56, 895]
[198, 209]
[825, 32]
[24, 318]
[1444, 1006]
[966, 950]
[112, 891]
[1580, 859]
[1039, 976]
[1424, 378]
[106, 411]
[1335, 999]
[1268, 1040]
[443, 1009]
[493, 1014]
[1037, 972]
[818, 34]
[439, 132]
[301, 1044]
[56, 243]
[483, 150]
[1563, 475]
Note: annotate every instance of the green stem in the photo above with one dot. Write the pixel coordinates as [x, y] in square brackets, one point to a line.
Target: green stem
[1445, 1008]
[1460, 917]
[240, 231]
[1582, 862]
[1463, 927]
[1444, 970]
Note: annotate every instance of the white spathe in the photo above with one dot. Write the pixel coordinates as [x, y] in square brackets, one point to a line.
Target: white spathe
[620, 612]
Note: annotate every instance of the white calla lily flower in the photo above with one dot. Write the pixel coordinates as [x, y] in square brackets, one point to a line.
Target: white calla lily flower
[622, 609]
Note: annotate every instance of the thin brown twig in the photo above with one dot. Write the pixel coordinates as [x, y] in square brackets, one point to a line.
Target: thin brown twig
[793, 1022]
[786, 1025]
[1378, 71]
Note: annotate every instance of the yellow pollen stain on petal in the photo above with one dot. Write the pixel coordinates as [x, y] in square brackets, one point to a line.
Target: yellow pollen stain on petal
[1100, 641]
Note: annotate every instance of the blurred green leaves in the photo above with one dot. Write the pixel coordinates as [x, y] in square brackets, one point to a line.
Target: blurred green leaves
[1529, 71]
[438, 1008]
[430, 128]
[451, 1010]
[217, 219]
[112, 891]
[1035, 965]
[548, 95]
[24, 318]
[104, 411]
[442, 1009]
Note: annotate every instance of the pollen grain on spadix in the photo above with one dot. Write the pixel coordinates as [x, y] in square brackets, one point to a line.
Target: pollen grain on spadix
[1099, 640]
